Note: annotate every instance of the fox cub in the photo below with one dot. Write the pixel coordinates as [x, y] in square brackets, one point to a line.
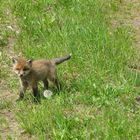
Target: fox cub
[30, 72]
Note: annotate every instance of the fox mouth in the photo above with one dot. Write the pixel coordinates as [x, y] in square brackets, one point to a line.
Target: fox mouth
[24, 75]
[21, 75]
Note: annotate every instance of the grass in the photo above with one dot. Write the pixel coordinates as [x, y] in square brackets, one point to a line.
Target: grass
[97, 100]
[4, 104]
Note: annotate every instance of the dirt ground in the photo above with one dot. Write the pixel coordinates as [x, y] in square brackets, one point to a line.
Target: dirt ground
[9, 127]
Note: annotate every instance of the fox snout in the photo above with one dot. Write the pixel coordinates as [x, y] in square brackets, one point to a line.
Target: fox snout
[20, 73]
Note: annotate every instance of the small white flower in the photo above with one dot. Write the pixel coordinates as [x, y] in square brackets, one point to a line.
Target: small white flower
[47, 94]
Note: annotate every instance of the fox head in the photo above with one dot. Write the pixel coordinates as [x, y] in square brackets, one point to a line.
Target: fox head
[21, 67]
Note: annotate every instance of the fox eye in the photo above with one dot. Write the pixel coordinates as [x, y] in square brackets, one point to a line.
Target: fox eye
[17, 69]
[24, 69]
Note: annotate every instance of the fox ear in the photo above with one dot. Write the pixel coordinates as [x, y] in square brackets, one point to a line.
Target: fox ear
[30, 62]
[14, 60]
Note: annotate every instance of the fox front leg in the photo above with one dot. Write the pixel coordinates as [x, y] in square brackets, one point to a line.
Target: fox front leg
[22, 91]
[35, 92]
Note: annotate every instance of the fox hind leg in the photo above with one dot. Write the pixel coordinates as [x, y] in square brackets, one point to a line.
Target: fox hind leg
[35, 92]
[46, 84]
[55, 81]
[53, 78]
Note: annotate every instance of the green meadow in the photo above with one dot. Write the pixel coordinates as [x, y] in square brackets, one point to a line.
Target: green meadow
[97, 100]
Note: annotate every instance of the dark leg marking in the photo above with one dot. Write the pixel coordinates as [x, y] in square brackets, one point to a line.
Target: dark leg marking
[46, 84]
[36, 94]
[57, 83]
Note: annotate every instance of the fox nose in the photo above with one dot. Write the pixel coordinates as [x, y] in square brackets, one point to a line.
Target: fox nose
[21, 75]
